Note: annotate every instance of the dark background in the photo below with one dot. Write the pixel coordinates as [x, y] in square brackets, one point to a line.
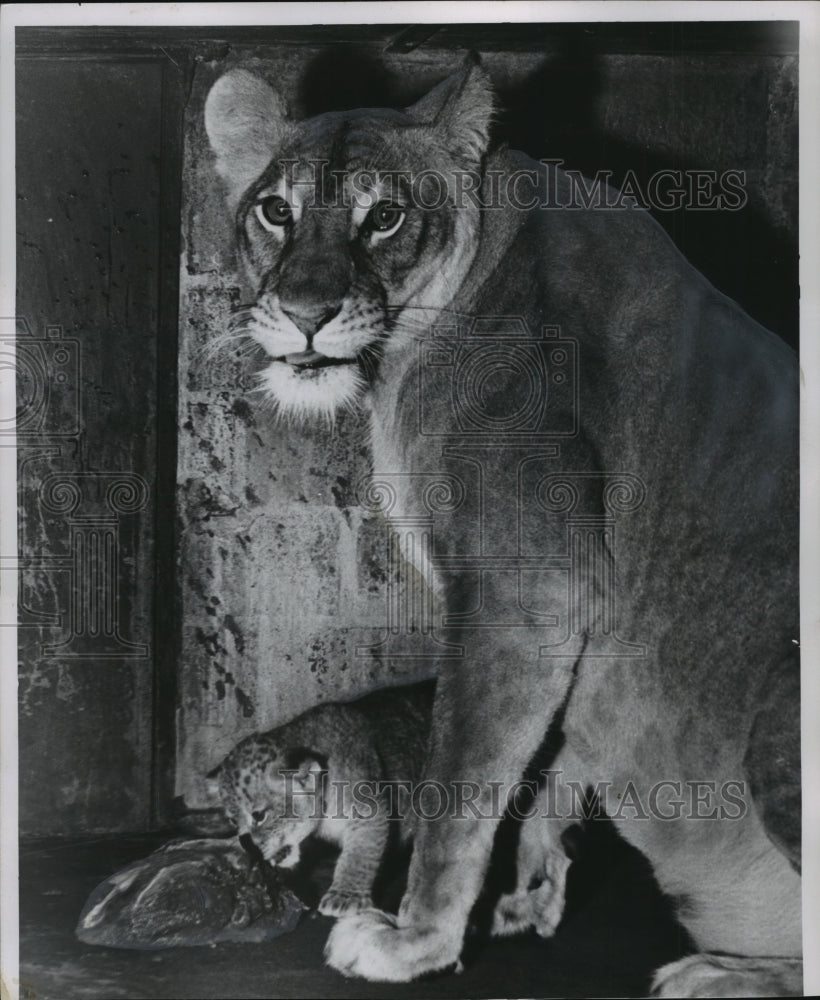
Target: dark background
[100, 139]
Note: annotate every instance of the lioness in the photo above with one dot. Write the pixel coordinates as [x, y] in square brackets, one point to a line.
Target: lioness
[537, 371]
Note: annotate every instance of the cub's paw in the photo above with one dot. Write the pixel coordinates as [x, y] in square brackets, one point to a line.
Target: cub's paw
[338, 904]
[723, 976]
[373, 946]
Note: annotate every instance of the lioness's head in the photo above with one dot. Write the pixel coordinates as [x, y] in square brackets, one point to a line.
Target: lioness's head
[354, 227]
[272, 793]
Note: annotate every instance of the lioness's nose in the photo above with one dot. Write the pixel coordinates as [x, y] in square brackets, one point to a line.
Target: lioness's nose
[314, 279]
[310, 320]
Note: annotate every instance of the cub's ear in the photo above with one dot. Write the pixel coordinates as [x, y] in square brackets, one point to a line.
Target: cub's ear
[308, 765]
[246, 122]
[461, 109]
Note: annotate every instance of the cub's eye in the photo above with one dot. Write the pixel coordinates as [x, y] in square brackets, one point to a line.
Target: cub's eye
[273, 212]
[258, 815]
[385, 218]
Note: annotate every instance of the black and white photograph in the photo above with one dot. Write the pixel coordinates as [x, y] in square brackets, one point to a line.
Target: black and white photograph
[408, 514]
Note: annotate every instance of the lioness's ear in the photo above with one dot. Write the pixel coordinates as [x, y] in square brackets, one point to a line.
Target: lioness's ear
[461, 108]
[246, 122]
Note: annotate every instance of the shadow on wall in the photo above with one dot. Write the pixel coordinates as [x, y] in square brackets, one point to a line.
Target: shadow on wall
[554, 114]
[348, 77]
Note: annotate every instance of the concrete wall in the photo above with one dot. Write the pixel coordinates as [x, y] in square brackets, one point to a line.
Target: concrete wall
[282, 572]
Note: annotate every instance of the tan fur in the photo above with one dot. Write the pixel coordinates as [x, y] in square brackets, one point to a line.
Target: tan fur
[679, 393]
[326, 774]
[723, 976]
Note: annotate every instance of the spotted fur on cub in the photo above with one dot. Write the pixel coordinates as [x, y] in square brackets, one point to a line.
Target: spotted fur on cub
[328, 773]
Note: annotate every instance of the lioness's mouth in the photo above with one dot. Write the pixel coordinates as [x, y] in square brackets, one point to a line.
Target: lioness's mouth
[310, 360]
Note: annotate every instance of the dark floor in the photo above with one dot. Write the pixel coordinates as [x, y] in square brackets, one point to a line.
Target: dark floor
[617, 929]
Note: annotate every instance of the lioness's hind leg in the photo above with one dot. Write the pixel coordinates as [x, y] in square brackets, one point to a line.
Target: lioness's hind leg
[541, 874]
[707, 975]
[540, 907]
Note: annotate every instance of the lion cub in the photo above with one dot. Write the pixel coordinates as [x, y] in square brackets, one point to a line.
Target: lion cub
[340, 772]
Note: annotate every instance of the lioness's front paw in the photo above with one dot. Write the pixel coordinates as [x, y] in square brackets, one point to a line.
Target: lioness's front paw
[336, 904]
[373, 946]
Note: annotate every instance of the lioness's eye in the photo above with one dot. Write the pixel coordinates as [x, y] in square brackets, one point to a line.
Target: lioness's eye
[385, 218]
[273, 212]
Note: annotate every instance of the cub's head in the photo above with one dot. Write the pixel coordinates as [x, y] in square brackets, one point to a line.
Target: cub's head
[274, 794]
[354, 227]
